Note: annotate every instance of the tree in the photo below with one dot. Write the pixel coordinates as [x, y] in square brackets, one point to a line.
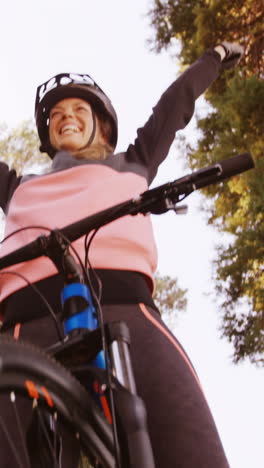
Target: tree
[19, 149]
[168, 296]
[234, 124]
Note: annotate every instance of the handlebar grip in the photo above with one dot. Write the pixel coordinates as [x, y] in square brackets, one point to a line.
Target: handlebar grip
[240, 163]
[227, 168]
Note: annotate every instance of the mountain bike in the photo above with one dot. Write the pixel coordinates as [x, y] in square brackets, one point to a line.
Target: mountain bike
[82, 388]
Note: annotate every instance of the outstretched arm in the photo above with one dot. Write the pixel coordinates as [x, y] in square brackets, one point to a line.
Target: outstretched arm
[176, 106]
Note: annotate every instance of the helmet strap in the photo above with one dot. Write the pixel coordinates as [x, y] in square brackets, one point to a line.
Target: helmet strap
[93, 130]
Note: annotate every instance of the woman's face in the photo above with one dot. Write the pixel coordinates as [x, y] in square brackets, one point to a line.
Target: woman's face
[70, 124]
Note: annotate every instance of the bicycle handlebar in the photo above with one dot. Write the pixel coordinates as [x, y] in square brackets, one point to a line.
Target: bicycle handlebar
[220, 171]
[147, 202]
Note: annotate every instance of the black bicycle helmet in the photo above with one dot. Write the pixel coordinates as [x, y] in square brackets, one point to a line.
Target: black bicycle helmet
[66, 85]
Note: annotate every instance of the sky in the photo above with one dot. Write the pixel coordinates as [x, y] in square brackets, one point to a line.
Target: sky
[109, 41]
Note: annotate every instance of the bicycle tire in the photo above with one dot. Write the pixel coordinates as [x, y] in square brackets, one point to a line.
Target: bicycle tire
[28, 371]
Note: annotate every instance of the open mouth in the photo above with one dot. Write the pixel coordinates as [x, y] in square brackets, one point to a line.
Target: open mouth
[69, 130]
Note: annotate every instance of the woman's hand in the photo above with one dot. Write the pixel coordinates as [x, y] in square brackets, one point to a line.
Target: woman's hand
[230, 53]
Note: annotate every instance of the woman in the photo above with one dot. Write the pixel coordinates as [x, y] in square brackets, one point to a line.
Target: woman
[77, 126]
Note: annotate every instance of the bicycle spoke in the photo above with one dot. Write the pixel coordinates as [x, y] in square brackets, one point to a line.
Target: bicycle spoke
[19, 426]
[47, 436]
[11, 443]
[57, 444]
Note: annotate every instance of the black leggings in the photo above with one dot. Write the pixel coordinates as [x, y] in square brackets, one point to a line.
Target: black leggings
[182, 429]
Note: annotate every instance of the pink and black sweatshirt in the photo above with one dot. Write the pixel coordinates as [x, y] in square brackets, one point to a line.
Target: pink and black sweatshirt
[75, 188]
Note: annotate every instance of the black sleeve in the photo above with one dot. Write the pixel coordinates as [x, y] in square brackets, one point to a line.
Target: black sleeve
[9, 181]
[173, 112]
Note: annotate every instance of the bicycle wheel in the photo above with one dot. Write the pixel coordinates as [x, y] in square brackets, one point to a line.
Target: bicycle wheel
[49, 405]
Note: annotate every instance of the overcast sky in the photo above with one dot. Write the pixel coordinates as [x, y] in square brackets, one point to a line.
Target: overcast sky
[108, 40]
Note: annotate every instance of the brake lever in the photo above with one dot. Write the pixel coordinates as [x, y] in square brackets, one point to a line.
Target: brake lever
[168, 205]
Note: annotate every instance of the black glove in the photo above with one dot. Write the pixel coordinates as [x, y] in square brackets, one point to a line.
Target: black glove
[234, 52]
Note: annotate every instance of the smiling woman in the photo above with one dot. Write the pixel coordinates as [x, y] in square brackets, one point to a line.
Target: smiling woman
[74, 126]
[71, 124]
[75, 100]
[76, 120]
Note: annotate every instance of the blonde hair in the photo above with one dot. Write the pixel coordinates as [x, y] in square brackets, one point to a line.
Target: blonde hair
[97, 151]
[102, 148]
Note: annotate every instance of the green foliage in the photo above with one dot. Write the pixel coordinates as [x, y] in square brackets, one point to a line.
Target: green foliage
[234, 124]
[199, 25]
[240, 276]
[84, 462]
[169, 297]
[19, 148]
